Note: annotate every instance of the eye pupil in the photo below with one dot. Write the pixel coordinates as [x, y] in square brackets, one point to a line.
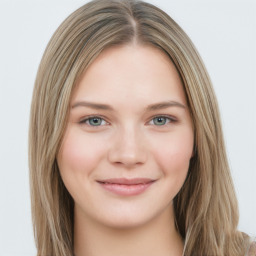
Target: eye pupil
[159, 120]
[95, 121]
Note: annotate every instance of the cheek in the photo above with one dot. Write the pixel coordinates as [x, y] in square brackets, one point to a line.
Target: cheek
[174, 156]
[79, 154]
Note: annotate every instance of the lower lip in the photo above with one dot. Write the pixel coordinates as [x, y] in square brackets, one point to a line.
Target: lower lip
[126, 190]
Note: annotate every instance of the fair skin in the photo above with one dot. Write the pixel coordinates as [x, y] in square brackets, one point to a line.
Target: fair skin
[126, 152]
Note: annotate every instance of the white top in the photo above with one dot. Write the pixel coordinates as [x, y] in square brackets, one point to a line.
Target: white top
[252, 249]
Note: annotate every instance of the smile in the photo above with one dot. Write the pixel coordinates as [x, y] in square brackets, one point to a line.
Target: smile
[126, 187]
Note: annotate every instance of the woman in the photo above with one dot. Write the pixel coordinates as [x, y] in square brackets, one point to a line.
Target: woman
[126, 147]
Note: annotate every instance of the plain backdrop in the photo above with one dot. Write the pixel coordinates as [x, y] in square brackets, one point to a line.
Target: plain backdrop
[223, 31]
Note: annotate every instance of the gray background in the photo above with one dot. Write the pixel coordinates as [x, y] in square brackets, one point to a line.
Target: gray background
[224, 33]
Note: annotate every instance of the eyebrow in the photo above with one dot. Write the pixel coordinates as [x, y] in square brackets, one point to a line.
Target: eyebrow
[92, 105]
[151, 107]
[165, 104]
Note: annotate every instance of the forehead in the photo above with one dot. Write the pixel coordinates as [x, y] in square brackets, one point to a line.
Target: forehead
[131, 71]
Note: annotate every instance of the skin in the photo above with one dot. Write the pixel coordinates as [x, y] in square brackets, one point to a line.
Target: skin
[128, 142]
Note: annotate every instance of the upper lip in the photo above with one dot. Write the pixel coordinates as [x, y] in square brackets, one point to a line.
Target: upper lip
[125, 181]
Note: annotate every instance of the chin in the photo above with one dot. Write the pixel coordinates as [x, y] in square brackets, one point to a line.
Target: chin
[132, 217]
[126, 222]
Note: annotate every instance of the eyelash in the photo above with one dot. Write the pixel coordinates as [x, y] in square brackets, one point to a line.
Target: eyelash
[85, 121]
[170, 118]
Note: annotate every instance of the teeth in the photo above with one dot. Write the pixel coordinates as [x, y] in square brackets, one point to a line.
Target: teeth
[142, 183]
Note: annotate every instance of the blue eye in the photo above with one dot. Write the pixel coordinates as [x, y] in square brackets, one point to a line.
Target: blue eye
[94, 121]
[160, 120]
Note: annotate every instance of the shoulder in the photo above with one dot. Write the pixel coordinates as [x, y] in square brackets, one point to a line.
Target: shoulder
[252, 249]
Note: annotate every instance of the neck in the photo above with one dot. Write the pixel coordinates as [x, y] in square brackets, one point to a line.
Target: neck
[157, 237]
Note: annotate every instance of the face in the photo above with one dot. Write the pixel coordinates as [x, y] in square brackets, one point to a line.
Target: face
[129, 139]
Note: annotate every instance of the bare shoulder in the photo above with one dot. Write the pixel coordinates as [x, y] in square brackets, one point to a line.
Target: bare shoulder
[252, 250]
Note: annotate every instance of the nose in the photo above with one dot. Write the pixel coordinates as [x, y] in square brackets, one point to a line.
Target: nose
[128, 148]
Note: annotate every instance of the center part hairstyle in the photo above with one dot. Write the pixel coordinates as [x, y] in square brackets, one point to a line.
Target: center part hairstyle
[206, 211]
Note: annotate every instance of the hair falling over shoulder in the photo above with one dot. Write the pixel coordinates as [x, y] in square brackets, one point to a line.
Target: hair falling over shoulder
[206, 207]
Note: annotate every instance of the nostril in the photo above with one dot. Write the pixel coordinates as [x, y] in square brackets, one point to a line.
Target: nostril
[125, 160]
[127, 150]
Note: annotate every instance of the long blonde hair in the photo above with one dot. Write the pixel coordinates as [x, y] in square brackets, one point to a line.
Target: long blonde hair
[206, 208]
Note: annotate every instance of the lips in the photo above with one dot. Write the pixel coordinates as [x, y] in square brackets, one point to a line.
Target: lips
[126, 187]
